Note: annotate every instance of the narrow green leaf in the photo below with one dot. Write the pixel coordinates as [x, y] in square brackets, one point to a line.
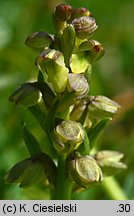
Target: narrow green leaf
[42, 119]
[40, 77]
[88, 73]
[31, 142]
[84, 149]
[95, 132]
[50, 120]
[39, 115]
[86, 143]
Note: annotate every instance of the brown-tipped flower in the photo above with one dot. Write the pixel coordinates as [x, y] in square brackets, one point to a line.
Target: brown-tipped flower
[39, 40]
[110, 162]
[26, 95]
[77, 83]
[84, 26]
[63, 12]
[68, 136]
[32, 170]
[84, 170]
[27, 172]
[97, 51]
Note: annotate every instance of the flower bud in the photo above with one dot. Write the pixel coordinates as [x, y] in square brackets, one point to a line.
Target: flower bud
[84, 170]
[26, 95]
[77, 83]
[100, 107]
[79, 12]
[109, 161]
[39, 40]
[68, 136]
[84, 26]
[63, 12]
[52, 61]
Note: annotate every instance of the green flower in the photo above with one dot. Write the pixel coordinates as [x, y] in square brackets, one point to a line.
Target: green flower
[94, 49]
[68, 136]
[77, 83]
[52, 61]
[110, 162]
[100, 107]
[84, 170]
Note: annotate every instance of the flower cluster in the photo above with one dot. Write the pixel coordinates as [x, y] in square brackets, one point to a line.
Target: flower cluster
[73, 118]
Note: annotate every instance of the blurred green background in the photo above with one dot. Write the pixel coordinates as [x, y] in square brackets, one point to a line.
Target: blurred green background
[112, 77]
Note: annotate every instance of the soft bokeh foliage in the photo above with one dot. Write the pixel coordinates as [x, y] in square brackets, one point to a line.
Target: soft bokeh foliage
[112, 77]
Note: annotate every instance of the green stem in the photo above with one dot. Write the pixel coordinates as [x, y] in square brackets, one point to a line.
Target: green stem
[113, 189]
[63, 190]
